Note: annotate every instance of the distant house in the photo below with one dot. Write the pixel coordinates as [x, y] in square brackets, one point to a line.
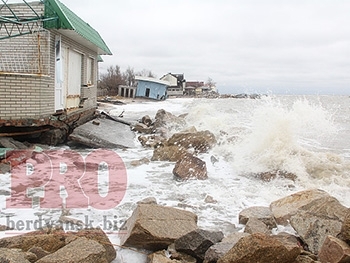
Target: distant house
[193, 87]
[177, 84]
[151, 88]
[48, 63]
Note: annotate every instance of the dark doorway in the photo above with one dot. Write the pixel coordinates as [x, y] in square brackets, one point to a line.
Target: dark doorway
[147, 92]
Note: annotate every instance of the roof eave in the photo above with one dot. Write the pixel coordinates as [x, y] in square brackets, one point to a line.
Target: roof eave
[64, 25]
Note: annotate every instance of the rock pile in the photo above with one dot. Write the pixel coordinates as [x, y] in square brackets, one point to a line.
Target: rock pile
[55, 245]
[13, 153]
[181, 147]
[320, 222]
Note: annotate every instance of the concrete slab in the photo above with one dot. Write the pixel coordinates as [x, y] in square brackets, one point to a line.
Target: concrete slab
[104, 133]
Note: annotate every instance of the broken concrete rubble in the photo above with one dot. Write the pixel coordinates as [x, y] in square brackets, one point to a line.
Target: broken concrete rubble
[108, 134]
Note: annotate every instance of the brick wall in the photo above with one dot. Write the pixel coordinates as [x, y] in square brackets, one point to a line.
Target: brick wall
[28, 91]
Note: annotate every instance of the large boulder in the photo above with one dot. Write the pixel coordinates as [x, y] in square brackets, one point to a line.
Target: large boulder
[218, 250]
[345, 228]
[12, 256]
[197, 242]
[314, 201]
[190, 167]
[81, 250]
[200, 141]
[171, 153]
[262, 213]
[181, 143]
[254, 225]
[164, 119]
[334, 250]
[313, 228]
[260, 248]
[155, 227]
[99, 236]
[50, 242]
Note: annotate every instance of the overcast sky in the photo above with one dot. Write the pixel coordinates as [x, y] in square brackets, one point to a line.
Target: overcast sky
[281, 46]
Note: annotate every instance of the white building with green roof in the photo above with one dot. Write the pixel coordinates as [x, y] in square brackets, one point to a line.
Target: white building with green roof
[48, 62]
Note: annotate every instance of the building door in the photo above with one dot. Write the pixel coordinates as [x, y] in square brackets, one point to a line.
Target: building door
[59, 77]
[74, 79]
[147, 92]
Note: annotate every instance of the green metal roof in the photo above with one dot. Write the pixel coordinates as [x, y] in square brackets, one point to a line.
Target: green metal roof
[67, 19]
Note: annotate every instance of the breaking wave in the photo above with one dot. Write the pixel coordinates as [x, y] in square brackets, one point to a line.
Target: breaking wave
[273, 134]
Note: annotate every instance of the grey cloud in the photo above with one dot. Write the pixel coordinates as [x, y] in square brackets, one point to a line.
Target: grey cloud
[245, 44]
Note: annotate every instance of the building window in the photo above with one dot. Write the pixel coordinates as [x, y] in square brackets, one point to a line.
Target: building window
[27, 54]
[90, 71]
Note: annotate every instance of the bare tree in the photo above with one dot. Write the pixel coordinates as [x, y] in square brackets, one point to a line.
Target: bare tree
[210, 83]
[112, 79]
[129, 76]
[146, 73]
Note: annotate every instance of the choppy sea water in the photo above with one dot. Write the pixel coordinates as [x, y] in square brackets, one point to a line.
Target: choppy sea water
[308, 136]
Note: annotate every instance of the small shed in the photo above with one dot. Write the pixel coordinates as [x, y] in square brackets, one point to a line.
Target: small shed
[151, 88]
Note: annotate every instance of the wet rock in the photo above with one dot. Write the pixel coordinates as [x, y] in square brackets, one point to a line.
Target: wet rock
[17, 157]
[174, 148]
[179, 256]
[31, 257]
[262, 213]
[269, 176]
[197, 242]
[165, 257]
[218, 250]
[289, 241]
[12, 256]
[260, 248]
[8, 142]
[146, 120]
[345, 228]
[308, 200]
[5, 168]
[4, 228]
[99, 236]
[150, 141]
[140, 162]
[50, 242]
[254, 225]
[81, 250]
[190, 167]
[170, 153]
[142, 128]
[155, 227]
[334, 250]
[305, 259]
[164, 119]
[210, 200]
[161, 257]
[38, 252]
[213, 159]
[148, 200]
[53, 137]
[314, 228]
[200, 141]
